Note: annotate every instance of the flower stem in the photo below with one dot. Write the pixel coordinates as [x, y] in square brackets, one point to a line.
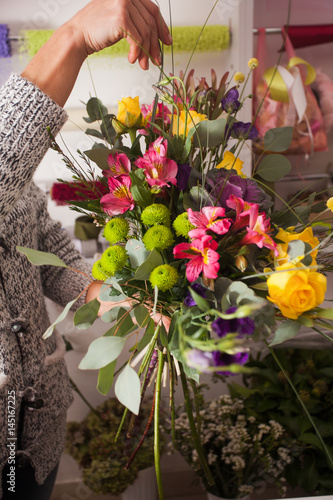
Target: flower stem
[195, 435]
[157, 425]
[132, 134]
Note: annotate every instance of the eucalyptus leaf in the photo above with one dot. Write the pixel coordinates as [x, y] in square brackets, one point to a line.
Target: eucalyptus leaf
[59, 319]
[101, 352]
[147, 336]
[111, 314]
[325, 313]
[94, 133]
[39, 258]
[287, 330]
[209, 133]
[124, 322]
[137, 252]
[142, 316]
[278, 139]
[296, 248]
[144, 270]
[85, 316]
[105, 378]
[273, 167]
[127, 389]
[96, 109]
[99, 156]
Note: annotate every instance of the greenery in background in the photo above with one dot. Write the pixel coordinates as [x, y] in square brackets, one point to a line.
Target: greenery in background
[268, 395]
[92, 443]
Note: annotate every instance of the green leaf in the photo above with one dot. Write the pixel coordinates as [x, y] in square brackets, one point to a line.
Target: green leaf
[164, 336]
[311, 439]
[59, 319]
[200, 301]
[318, 207]
[101, 352]
[147, 336]
[124, 322]
[95, 109]
[94, 133]
[85, 316]
[209, 133]
[105, 378]
[140, 193]
[278, 139]
[273, 167]
[325, 313]
[127, 389]
[111, 315]
[287, 330]
[99, 156]
[142, 316]
[39, 258]
[137, 252]
[154, 260]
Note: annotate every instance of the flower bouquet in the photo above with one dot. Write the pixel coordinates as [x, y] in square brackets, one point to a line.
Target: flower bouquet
[205, 265]
[243, 453]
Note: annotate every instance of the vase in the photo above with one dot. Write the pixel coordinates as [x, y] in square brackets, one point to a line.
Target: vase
[143, 488]
[210, 496]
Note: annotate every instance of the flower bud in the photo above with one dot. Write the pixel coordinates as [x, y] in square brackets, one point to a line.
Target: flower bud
[241, 263]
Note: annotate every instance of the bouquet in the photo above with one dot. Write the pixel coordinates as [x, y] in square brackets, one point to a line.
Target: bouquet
[243, 453]
[204, 263]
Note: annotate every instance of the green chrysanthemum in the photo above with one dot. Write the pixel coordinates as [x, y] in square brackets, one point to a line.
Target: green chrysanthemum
[182, 225]
[98, 272]
[164, 277]
[116, 230]
[158, 237]
[156, 214]
[113, 259]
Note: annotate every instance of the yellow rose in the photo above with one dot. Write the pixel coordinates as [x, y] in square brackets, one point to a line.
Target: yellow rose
[296, 290]
[289, 235]
[129, 113]
[229, 161]
[193, 118]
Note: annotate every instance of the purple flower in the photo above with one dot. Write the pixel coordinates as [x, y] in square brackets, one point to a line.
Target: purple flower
[200, 290]
[230, 103]
[203, 360]
[183, 175]
[241, 326]
[245, 130]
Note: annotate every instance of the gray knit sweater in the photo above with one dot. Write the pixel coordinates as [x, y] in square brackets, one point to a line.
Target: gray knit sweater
[31, 369]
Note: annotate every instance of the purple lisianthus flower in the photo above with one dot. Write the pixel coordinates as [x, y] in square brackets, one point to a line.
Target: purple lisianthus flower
[221, 185]
[200, 290]
[230, 103]
[203, 360]
[241, 326]
[183, 175]
[245, 130]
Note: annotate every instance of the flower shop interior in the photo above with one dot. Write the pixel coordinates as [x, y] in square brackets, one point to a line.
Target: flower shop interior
[237, 30]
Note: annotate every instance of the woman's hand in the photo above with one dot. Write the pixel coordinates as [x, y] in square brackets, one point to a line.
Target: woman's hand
[102, 23]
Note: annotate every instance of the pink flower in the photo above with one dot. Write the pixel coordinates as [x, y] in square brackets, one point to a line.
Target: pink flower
[244, 211]
[159, 170]
[120, 198]
[203, 257]
[162, 116]
[208, 219]
[119, 164]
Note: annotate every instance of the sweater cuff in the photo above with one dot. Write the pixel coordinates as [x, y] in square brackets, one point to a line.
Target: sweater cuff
[25, 113]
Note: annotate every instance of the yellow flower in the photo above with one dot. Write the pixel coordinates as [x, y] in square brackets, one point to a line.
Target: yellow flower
[329, 204]
[239, 77]
[129, 114]
[296, 289]
[290, 235]
[193, 118]
[229, 161]
[253, 63]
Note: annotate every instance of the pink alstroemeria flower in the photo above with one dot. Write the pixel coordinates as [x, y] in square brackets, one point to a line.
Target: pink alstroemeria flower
[162, 116]
[208, 219]
[119, 164]
[120, 198]
[159, 170]
[203, 259]
[244, 211]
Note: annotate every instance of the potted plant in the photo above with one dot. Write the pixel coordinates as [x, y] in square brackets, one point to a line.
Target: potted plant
[270, 396]
[110, 464]
[240, 450]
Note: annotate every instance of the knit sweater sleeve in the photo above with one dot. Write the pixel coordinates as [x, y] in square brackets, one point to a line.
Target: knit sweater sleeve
[25, 114]
[60, 284]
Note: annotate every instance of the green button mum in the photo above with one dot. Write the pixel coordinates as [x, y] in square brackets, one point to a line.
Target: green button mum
[98, 272]
[156, 214]
[116, 230]
[113, 259]
[182, 225]
[158, 237]
[164, 277]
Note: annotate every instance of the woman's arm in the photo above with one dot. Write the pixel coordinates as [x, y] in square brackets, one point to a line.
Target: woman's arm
[101, 23]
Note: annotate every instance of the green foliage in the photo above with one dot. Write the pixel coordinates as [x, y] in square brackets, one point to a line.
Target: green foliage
[39, 258]
[278, 139]
[60, 318]
[127, 389]
[101, 352]
[273, 167]
[85, 316]
[209, 133]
